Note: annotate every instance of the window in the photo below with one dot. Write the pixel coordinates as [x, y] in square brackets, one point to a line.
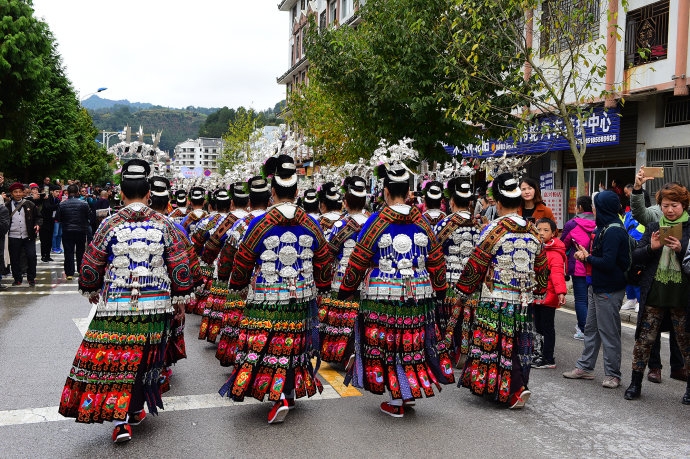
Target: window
[303, 4]
[322, 21]
[646, 34]
[332, 10]
[567, 24]
[344, 8]
[676, 111]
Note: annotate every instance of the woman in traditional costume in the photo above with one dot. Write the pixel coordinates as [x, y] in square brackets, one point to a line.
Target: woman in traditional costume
[137, 273]
[433, 195]
[509, 268]
[331, 205]
[338, 318]
[458, 234]
[259, 197]
[398, 267]
[283, 259]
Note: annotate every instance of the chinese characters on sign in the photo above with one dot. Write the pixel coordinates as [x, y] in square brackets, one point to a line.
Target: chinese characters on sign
[554, 199]
[601, 128]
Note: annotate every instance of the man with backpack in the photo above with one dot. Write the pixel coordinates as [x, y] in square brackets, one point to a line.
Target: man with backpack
[609, 259]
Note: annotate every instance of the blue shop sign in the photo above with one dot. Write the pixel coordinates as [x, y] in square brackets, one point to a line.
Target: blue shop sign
[601, 128]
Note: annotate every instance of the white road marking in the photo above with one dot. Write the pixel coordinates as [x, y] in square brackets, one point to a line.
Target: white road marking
[176, 403]
[82, 323]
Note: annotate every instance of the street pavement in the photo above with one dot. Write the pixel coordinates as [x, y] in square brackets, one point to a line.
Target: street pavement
[41, 328]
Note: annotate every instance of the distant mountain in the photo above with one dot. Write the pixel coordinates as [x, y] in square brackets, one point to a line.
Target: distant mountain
[95, 103]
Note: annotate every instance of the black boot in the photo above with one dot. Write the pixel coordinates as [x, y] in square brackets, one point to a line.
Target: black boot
[635, 388]
[686, 397]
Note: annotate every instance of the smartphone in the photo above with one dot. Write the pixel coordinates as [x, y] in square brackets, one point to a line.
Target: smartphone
[674, 231]
[655, 172]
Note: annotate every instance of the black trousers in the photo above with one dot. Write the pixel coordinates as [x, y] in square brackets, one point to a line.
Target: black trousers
[544, 324]
[73, 243]
[28, 246]
[46, 236]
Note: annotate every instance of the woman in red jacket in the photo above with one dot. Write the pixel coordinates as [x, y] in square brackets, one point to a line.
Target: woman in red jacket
[545, 310]
[533, 207]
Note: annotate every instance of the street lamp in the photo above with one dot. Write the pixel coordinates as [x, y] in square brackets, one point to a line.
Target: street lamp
[108, 134]
[92, 93]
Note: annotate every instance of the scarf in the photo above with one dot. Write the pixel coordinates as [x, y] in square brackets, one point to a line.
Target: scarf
[669, 267]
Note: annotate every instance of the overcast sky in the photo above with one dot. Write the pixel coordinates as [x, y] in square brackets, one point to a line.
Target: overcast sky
[206, 53]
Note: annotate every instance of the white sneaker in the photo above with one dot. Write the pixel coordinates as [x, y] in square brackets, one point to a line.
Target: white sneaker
[630, 304]
[578, 334]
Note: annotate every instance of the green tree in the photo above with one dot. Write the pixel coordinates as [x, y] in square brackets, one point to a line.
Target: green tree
[92, 164]
[550, 56]
[387, 76]
[217, 123]
[238, 139]
[25, 48]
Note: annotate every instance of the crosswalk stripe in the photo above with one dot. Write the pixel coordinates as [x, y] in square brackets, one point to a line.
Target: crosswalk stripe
[173, 403]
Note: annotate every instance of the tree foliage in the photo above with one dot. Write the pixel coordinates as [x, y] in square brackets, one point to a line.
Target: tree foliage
[387, 78]
[237, 141]
[43, 129]
[560, 72]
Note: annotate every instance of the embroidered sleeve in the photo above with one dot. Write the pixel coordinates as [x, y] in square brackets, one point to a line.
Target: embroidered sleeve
[179, 264]
[436, 266]
[225, 259]
[243, 267]
[474, 272]
[92, 269]
[541, 274]
[323, 266]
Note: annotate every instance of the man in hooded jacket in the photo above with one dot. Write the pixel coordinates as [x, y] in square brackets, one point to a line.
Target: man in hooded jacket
[609, 259]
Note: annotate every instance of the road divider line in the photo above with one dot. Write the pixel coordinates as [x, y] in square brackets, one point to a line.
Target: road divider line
[336, 380]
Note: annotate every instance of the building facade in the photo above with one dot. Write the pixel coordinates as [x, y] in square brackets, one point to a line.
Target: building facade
[197, 155]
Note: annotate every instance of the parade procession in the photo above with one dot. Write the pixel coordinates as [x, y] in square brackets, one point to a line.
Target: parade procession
[344, 228]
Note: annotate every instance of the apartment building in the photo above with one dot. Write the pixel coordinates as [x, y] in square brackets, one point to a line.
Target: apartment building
[198, 155]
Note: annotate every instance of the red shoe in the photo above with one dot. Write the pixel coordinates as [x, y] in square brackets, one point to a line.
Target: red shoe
[122, 433]
[392, 410]
[278, 412]
[518, 399]
[137, 418]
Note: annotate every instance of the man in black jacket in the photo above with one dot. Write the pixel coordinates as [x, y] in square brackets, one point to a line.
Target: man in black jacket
[48, 211]
[24, 225]
[74, 216]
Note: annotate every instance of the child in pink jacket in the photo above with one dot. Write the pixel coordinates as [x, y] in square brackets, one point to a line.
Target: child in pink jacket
[545, 310]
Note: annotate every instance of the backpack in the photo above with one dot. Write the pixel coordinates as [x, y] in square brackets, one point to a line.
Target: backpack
[632, 272]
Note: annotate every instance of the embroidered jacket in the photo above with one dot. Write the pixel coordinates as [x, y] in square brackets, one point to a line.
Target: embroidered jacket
[458, 234]
[283, 257]
[226, 257]
[342, 242]
[327, 221]
[138, 260]
[434, 216]
[396, 257]
[509, 261]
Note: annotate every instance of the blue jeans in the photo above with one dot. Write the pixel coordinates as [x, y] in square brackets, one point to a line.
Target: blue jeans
[580, 294]
[57, 236]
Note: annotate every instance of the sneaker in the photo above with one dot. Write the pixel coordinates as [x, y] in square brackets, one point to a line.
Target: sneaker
[122, 433]
[278, 412]
[49, 259]
[136, 418]
[637, 307]
[611, 382]
[519, 399]
[290, 403]
[630, 304]
[578, 373]
[579, 335]
[541, 363]
[392, 410]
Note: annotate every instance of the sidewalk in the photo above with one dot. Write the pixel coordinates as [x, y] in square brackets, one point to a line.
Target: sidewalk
[627, 316]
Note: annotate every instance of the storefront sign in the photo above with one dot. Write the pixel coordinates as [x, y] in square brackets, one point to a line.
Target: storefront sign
[546, 181]
[554, 199]
[601, 128]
